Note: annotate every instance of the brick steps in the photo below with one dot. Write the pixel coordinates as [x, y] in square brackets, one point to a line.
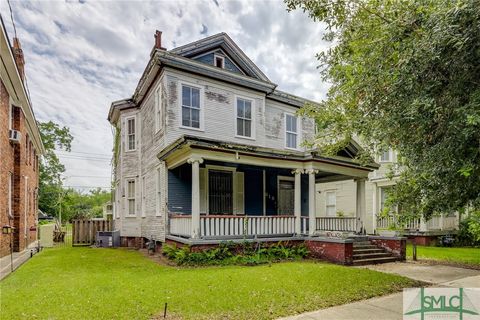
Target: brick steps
[364, 252]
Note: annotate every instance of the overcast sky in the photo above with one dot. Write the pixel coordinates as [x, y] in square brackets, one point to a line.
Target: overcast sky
[82, 55]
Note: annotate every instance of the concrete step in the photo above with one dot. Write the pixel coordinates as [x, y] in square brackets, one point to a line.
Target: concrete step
[361, 262]
[365, 246]
[355, 243]
[362, 251]
[360, 256]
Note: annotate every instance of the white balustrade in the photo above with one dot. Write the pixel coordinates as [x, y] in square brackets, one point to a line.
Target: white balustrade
[350, 224]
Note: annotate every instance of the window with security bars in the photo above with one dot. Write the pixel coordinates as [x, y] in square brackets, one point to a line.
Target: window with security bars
[244, 118]
[190, 107]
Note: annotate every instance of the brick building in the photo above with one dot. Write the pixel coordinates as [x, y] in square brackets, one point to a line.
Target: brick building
[20, 149]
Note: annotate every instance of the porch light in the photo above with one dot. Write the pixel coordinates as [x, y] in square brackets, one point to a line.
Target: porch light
[6, 229]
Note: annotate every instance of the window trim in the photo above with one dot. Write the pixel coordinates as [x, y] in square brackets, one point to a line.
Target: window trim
[291, 132]
[159, 124]
[127, 147]
[330, 205]
[235, 114]
[158, 192]
[128, 198]
[201, 104]
[143, 196]
[10, 194]
[217, 56]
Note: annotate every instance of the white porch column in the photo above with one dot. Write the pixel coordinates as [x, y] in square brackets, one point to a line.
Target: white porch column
[442, 221]
[195, 162]
[298, 200]
[311, 201]
[360, 208]
[375, 206]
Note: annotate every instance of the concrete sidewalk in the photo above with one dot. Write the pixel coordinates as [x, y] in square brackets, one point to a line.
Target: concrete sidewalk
[390, 307]
[19, 258]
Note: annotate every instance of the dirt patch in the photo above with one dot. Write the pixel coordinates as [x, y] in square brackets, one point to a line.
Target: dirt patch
[432, 262]
[158, 258]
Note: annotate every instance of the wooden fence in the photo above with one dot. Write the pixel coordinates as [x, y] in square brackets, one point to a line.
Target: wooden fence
[84, 232]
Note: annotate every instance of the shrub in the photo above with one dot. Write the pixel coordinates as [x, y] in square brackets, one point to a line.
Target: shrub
[245, 253]
[469, 230]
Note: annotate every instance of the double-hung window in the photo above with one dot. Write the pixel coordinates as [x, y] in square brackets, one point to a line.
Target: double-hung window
[131, 196]
[330, 204]
[244, 118]
[190, 107]
[386, 156]
[291, 131]
[131, 134]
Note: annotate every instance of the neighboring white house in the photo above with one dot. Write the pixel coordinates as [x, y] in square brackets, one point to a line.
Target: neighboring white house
[338, 199]
[208, 148]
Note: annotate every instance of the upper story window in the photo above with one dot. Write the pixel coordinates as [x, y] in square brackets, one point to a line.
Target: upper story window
[190, 107]
[244, 118]
[219, 61]
[131, 134]
[131, 196]
[386, 156]
[291, 131]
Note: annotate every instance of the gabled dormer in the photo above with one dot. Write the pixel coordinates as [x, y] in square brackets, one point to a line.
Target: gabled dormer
[221, 51]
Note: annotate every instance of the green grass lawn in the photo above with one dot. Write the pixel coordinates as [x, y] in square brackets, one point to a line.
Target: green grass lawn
[86, 283]
[468, 256]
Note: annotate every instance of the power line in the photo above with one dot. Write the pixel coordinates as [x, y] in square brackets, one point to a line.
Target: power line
[88, 187]
[87, 153]
[87, 177]
[11, 17]
[87, 159]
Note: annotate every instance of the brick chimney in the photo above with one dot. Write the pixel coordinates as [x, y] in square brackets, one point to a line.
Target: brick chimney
[158, 40]
[19, 59]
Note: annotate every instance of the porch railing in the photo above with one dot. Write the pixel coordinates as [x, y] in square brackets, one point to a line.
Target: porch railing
[231, 226]
[347, 224]
[220, 226]
[415, 224]
[181, 225]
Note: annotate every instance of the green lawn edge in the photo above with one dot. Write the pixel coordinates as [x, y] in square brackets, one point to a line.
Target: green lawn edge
[88, 283]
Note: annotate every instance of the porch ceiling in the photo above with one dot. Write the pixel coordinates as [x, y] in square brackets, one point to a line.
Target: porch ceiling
[329, 168]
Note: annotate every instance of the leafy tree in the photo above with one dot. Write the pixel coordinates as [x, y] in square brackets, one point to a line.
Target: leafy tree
[76, 205]
[50, 183]
[405, 74]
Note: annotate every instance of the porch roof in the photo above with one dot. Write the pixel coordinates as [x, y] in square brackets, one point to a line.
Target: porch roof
[187, 146]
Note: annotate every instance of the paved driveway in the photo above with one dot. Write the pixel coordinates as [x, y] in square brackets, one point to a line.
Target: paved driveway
[390, 307]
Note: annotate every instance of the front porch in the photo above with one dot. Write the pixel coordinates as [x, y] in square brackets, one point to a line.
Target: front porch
[220, 192]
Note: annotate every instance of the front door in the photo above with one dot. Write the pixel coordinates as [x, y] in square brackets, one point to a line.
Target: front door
[220, 192]
[286, 197]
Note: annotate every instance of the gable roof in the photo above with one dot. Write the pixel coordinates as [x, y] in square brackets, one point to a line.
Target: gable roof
[224, 42]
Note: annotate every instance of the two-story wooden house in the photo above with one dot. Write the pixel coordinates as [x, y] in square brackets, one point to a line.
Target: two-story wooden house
[209, 149]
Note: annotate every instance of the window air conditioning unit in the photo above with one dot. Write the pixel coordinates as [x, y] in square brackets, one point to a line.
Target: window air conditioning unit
[14, 136]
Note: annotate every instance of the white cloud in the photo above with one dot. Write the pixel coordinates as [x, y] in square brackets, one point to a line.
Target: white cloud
[81, 55]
